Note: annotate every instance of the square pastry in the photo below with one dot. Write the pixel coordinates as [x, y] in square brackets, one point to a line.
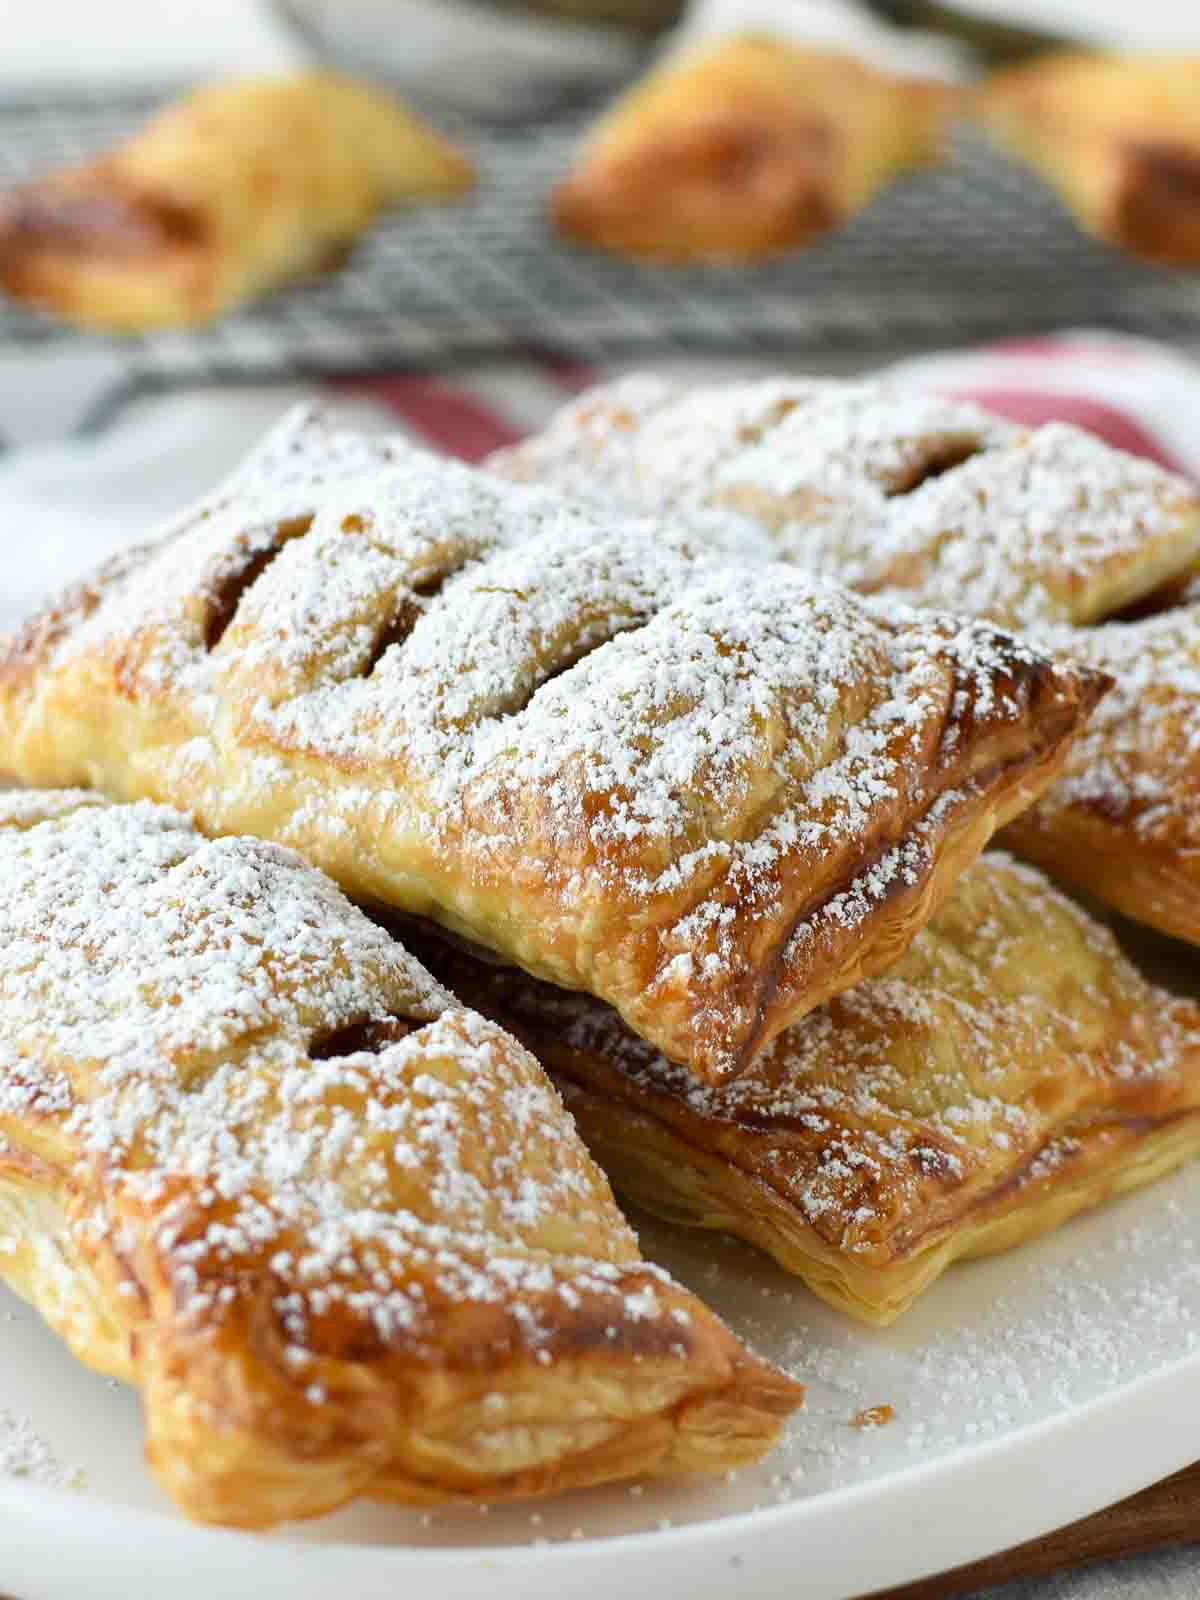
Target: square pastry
[1118, 137]
[887, 489]
[711, 793]
[1124, 820]
[931, 501]
[340, 1231]
[237, 188]
[1011, 1069]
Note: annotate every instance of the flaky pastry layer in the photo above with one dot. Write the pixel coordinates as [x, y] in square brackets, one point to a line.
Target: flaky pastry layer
[232, 191]
[339, 1231]
[1010, 1070]
[712, 794]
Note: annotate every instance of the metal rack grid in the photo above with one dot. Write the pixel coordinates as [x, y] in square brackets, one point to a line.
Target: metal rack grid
[977, 247]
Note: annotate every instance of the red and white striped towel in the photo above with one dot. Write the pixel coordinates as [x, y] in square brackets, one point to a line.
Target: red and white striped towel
[1138, 395]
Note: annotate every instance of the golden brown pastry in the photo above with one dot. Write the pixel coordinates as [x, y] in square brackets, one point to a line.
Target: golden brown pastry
[711, 794]
[1117, 136]
[1124, 821]
[937, 503]
[887, 489]
[339, 1231]
[745, 148]
[235, 190]
[1011, 1069]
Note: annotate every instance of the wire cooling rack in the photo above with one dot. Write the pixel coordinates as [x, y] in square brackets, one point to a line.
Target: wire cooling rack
[977, 247]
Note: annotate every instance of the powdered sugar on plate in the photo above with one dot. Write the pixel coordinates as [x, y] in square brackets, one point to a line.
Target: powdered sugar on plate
[996, 1348]
[25, 1454]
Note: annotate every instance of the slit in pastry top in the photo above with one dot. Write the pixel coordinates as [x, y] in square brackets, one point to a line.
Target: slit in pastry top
[710, 793]
[887, 489]
[1090, 550]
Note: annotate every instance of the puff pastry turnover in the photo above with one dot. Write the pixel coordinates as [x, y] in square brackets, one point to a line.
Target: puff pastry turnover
[1117, 136]
[745, 148]
[711, 794]
[885, 488]
[235, 190]
[1011, 1069]
[340, 1232]
[934, 501]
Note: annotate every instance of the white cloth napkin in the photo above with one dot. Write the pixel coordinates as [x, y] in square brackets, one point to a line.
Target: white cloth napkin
[134, 42]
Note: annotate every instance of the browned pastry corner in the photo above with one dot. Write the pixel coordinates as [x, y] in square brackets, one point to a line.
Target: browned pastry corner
[711, 794]
[1124, 821]
[231, 192]
[1010, 1070]
[340, 1232]
[1117, 136]
[743, 149]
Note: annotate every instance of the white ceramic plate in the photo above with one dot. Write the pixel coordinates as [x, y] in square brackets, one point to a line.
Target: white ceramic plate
[1028, 1390]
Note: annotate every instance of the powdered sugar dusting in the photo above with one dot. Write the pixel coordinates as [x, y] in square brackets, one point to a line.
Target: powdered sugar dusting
[1036, 532]
[25, 1454]
[1138, 759]
[509, 682]
[663, 444]
[914, 1095]
[166, 999]
[885, 489]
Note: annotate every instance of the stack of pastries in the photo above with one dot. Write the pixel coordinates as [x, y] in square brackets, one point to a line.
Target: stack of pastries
[662, 790]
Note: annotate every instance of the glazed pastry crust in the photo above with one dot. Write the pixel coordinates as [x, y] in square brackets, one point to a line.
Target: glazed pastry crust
[713, 795]
[233, 191]
[744, 149]
[1010, 1070]
[339, 1231]
[883, 488]
[1118, 137]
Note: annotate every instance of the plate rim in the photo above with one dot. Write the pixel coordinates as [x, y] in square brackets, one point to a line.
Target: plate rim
[1149, 1400]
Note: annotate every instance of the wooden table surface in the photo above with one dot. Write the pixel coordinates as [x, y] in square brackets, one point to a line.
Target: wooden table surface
[1166, 1513]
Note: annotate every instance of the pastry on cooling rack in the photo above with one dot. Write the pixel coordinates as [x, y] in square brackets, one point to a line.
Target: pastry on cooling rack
[887, 489]
[934, 501]
[1119, 139]
[744, 148]
[235, 190]
[710, 793]
[1010, 1070]
[339, 1231]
